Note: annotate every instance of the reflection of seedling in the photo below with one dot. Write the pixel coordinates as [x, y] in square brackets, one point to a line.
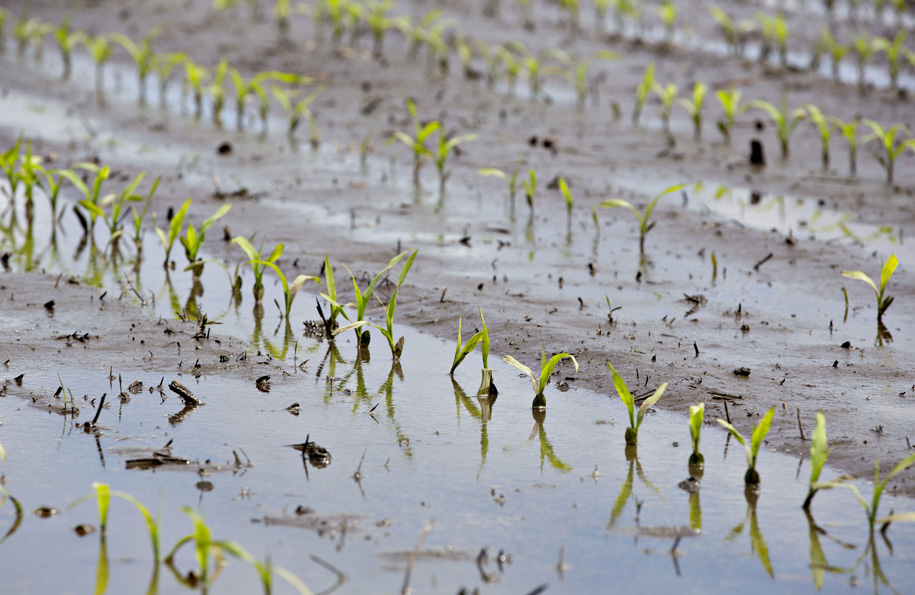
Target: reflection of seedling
[645, 225]
[642, 92]
[824, 128]
[818, 456]
[751, 478]
[730, 103]
[417, 142]
[694, 107]
[445, 147]
[388, 330]
[879, 486]
[174, 230]
[142, 54]
[785, 121]
[636, 417]
[546, 370]
[888, 145]
[193, 239]
[886, 273]
[696, 417]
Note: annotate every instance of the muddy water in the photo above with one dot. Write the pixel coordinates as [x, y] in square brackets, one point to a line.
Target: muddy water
[557, 496]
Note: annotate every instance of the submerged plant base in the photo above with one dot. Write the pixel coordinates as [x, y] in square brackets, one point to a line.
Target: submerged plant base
[751, 478]
[696, 470]
[696, 460]
[632, 436]
[539, 402]
[488, 387]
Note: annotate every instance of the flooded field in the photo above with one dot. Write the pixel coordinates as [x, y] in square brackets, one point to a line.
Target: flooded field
[197, 426]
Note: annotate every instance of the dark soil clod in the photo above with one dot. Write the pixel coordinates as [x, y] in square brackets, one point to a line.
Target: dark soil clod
[187, 397]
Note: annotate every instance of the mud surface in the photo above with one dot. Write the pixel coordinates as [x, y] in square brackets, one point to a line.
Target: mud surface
[774, 307]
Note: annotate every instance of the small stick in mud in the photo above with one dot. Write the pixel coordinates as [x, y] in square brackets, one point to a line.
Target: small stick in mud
[696, 347]
[762, 262]
[800, 426]
[98, 411]
[441, 300]
[187, 397]
[341, 578]
[406, 579]
[727, 414]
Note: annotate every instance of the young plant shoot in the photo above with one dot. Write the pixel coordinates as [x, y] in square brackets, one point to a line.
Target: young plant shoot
[751, 478]
[257, 262]
[174, 230]
[730, 103]
[546, 370]
[362, 301]
[785, 121]
[696, 417]
[694, 107]
[819, 452]
[446, 146]
[417, 142]
[645, 223]
[570, 200]
[890, 149]
[289, 291]
[636, 417]
[642, 92]
[886, 273]
[879, 486]
[193, 240]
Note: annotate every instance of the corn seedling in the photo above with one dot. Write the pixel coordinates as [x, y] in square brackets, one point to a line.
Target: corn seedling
[668, 13]
[576, 71]
[636, 417]
[487, 386]
[819, 452]
[174, 230]
[388, 330]
[890, 149]
[142, 55]
[645, 223]
[330, 323]
[54, 180]
[570, 200]
[417, 142]
[600, 14]
[296, 109]
[730, 103]
[836, 50]
[849, 131]
[824, 128]
[668, 95]
[781, 38]
[8, 161]
[4, 17]
[751, 478]
[696, 417]
[512, 66]
[879, 485]
[67, 40]
[767, 31]
[785, 121]
[379, 23]
[258, 262]
[622, 10]
[886, 273]
[103, 494]
[282, 9]
[895, 50]
[195, 78]
[204, 548]
[264, 570]
[164, 65]
[574, 9]
[101, 49]
[445, 147]
[217, 91]
[511, 180]
[695, 106]
[256, 86]
[735, 34]
[289, 290]
[863, 46]
[546, 370]
[462, 350]
[193, 240]
[530, 188]
[91, 196]
[642, 92]
[362, 300]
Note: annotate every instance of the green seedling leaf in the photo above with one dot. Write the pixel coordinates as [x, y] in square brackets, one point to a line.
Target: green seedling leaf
[759, 433]
[461, 351]
[696, 417]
